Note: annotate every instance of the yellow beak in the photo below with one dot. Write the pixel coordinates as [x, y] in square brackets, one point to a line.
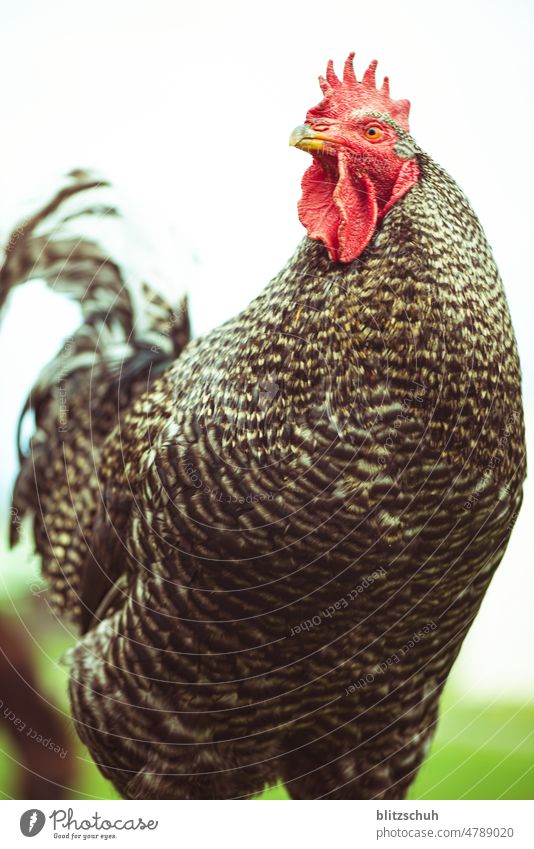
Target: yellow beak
[305, 138]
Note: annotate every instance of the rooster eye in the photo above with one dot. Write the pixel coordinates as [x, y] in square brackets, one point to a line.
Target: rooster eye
[373, 133]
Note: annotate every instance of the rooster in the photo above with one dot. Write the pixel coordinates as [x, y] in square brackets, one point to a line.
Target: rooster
[274, 538]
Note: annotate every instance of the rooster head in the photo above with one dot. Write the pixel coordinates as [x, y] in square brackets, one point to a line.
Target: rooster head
[362, 161]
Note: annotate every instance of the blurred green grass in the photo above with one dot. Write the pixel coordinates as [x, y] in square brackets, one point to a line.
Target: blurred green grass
[480, 751]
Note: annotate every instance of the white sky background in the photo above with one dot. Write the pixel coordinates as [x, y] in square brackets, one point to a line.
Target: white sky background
[189, 107]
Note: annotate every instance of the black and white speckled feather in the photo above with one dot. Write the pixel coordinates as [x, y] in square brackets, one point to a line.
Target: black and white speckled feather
[291, 530]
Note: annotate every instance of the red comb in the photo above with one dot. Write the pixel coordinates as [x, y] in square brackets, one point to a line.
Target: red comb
[339, 95]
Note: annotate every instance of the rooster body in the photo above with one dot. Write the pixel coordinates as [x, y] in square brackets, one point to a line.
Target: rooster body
[278, 535]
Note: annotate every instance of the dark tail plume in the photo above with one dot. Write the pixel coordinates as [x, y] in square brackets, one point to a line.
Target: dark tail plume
[129, 334]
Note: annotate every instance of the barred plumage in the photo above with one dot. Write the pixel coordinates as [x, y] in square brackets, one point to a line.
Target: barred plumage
[286, 537]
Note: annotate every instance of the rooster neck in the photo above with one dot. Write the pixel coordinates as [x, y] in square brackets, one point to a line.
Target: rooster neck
[422, 311]
[423, 306]
[427, 274]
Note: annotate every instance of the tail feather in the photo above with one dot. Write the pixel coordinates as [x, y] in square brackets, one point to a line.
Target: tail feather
[128, 336]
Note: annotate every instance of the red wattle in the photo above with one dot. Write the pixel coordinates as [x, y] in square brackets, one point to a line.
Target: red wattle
[355, 198]
[317, 211]
[406, 178]
[338, 208]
